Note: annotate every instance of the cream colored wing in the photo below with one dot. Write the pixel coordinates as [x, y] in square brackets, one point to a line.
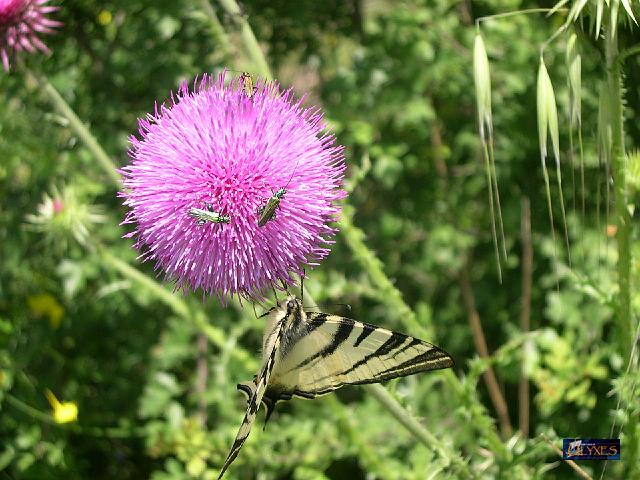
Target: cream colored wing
[334, 351]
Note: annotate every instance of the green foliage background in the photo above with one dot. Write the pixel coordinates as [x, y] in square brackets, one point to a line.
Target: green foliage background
[395, 81]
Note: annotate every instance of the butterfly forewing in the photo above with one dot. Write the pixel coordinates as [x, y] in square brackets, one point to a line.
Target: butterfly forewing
[334, 351]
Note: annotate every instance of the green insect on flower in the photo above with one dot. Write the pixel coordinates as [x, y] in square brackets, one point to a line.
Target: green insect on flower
[267, 211]
[208, 215]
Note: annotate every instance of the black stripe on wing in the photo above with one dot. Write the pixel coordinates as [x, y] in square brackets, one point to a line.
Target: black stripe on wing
[427, 356]
[345, 327]
[366, 331]
[394, 341]
[438, 362]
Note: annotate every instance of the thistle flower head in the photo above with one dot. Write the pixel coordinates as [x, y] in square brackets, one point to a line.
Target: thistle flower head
[21, 21]
[207, 163]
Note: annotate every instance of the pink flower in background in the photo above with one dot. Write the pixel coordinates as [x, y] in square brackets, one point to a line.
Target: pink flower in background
[20, 23]
[215, 149]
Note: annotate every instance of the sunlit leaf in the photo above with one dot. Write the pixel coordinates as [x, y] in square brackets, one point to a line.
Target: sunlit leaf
[557, 7]
[482, 81]
[574, 68]
[599, 11]
[542, 102]
[575, 10]
[627, 7]
[613, 20]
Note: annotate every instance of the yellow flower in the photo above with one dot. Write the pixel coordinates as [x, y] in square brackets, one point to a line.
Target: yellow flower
[63, 412]
[105, 17]
[46, 304]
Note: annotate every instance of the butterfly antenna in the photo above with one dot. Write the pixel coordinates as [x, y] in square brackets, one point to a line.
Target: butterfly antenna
[254, 309]
[302, 286]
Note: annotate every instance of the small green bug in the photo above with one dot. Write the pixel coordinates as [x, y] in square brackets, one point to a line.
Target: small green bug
[208, 215]
[267, 211]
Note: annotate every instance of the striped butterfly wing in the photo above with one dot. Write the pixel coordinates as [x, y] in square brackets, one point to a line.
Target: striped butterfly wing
[256, 393]
[334, 351]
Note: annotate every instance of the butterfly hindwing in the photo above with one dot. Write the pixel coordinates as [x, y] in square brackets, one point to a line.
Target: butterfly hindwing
[256, 392]
[334, 351]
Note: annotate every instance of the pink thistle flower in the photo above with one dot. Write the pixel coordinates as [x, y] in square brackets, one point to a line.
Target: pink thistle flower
[214, 148]
[20, 23]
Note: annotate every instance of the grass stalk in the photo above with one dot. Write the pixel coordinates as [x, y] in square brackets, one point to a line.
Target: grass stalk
[624, 324]
[519, 12]
[63, 108]
[249, 40]
[217, 29]
[525, 313]
[419, 431]
[494, 177]
[494, 234]
[576, 468]
[178, 304]
[572, 161]
[582, 190]
[490, 379]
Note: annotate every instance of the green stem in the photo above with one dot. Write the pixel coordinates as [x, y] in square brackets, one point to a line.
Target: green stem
[629, 52]
[63, 108]
[518, 12]
[494, 234]
[410, 423]
[354, 238]
[29, 410]
[248, 38]
[215, 335]
[623, 220]
[216, 28]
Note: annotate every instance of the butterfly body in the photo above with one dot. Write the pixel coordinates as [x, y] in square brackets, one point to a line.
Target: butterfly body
[311, 354]
[209, 215]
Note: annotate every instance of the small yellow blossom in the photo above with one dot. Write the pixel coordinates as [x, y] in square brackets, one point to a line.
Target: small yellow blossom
[63, 412]
[46, 304]
[105, 17]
